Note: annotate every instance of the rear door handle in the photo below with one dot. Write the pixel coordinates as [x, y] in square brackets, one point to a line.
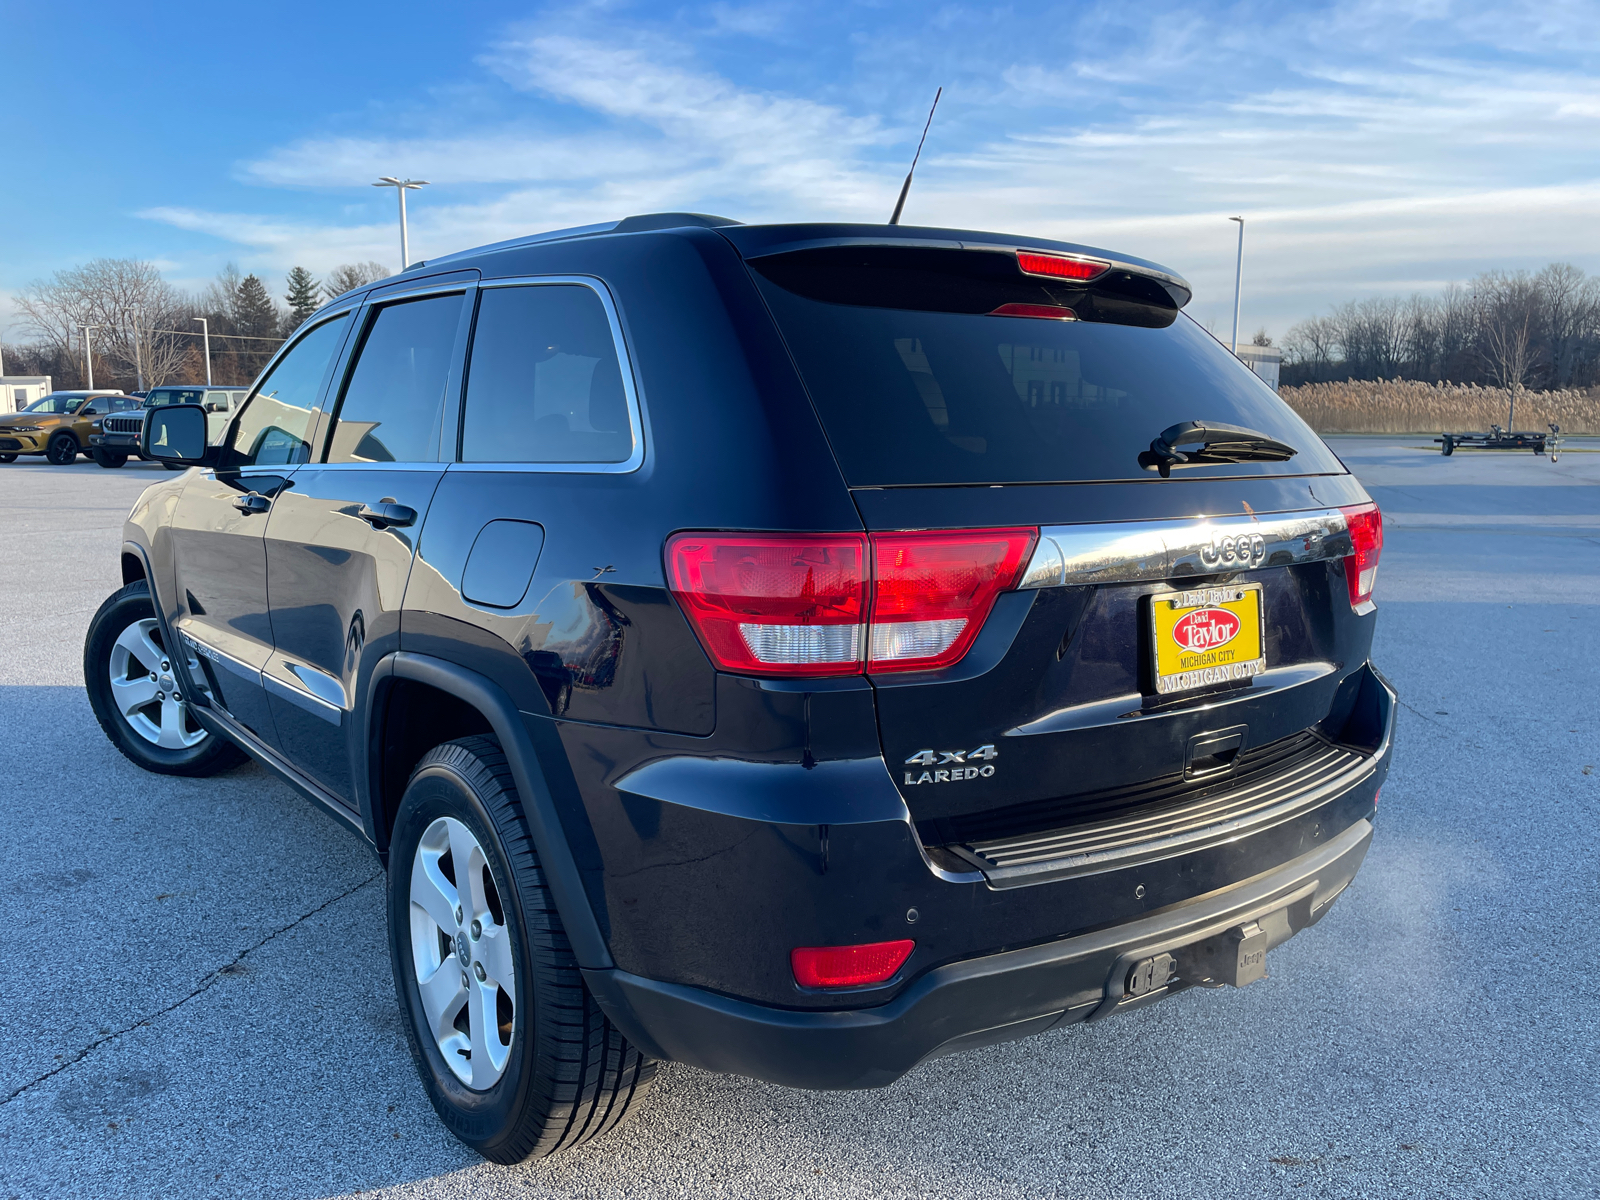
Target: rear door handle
[387, 515]
[251, 503]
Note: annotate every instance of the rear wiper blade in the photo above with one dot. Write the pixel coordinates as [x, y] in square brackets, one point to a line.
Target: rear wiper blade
[1218, 444]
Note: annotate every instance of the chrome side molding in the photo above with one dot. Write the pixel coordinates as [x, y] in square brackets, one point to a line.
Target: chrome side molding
[1134, 551]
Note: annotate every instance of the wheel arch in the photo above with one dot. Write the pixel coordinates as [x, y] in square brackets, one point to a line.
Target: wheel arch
[464, 702]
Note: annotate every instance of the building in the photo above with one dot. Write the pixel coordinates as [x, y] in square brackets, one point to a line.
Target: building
[1264, 361]
[19, 391]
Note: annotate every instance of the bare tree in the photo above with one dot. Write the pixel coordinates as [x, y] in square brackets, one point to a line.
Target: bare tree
[1509, 312]
[353, 275]
[127, 302]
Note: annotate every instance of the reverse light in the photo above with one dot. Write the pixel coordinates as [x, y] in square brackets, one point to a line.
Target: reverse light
[1048, 312]
[1060, 266]
[1365, 523]
[848, 966]
[800, 605]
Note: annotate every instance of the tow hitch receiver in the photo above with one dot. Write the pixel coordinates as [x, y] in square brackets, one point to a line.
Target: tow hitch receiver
[1235, 958]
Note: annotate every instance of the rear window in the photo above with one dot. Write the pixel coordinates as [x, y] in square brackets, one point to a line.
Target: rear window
[916, 383]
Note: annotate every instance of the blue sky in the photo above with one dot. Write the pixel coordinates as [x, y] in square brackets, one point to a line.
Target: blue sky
[1372, 147]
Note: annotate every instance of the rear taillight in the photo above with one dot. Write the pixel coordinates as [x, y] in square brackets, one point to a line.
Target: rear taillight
[1365, 523]
[848, 966]
[789, 605]
[838, 604]
[932, 592]
[1060, 266]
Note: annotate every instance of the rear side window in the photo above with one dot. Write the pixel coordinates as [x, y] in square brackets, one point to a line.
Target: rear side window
[394, 403]
[272, 430]
[916, 382]
[544, 384]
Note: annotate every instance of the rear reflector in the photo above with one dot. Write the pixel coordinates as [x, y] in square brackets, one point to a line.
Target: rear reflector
[1060, 266]
[1365, 523]
[1048, 312]
[838, 604]
[848, 966]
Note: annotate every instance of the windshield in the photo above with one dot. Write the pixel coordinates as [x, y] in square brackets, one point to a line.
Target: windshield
[54, 405]
[917, 382]
[160, 396]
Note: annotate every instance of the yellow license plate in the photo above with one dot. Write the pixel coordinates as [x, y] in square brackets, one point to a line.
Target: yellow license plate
[1207, 636]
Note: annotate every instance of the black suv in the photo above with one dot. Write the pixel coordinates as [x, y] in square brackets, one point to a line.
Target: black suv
[794, 650]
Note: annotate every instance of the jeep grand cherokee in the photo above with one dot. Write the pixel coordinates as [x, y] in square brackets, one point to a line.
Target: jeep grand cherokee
[794, 650]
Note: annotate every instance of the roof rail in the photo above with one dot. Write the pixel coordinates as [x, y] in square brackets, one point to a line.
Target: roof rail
[635, 224]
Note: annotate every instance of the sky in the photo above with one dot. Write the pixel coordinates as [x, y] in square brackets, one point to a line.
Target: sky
[1372, 148]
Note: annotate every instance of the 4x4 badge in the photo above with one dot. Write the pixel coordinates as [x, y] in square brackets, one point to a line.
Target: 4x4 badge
[959, 769]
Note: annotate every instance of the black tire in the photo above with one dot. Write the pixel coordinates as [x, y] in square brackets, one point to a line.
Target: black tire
[569, 1075]
[108, 459]
[62, 449]
[208, 756]
[1449, 448]
[8, 458]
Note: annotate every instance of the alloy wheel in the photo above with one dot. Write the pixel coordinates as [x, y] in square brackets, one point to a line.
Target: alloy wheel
[146, 691]
[461, 953]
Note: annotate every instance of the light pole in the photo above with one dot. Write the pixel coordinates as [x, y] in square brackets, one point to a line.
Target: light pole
[1238, 275]
[88, 354]
[138, 357]
[401, 186]
[205, 332]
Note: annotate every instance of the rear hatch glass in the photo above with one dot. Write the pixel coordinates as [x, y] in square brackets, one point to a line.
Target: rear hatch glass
[917, 383]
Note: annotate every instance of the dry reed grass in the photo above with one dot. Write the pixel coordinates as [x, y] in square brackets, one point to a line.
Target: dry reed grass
[1411, 406]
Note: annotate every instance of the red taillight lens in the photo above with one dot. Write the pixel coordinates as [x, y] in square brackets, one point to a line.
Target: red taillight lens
[932, 592]
[1366, 537]
[848, 966]
[1048, 312]
[1060, 266]
[774, 605]
[802, 604]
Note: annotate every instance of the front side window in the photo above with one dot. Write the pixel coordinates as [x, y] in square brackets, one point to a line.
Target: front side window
[393, 405]
[544, 384]
[275, 425]
[217, 402]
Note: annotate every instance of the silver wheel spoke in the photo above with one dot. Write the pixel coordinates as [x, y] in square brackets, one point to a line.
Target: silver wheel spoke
[488, 1055]
[468, 859]
[431, 892]
[442, 998]
[141, 647]
[173, 736]
[132, 694]
[494, 952]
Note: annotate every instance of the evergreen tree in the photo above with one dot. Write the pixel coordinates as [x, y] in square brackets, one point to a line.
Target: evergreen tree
[254, 312]
[302, 297]
[255, 317]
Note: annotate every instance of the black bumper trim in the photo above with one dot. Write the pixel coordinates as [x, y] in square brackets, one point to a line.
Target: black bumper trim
[965, 1004]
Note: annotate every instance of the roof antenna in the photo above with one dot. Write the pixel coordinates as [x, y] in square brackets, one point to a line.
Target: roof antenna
[906, 187]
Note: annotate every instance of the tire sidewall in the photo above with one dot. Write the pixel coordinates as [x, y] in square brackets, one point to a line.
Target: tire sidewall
[123, 609]
[478, 1118]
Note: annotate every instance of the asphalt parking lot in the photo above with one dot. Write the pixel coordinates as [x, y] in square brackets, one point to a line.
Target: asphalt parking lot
[198, 1002]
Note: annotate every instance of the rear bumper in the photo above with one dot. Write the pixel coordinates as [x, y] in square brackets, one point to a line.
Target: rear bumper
[974, 1002]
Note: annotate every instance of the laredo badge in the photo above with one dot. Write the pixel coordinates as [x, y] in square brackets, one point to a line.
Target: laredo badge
[957, 771]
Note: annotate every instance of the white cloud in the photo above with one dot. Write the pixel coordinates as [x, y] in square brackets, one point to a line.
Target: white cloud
[1368, 146]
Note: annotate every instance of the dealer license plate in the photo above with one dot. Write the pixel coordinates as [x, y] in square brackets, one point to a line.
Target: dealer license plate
[1207, 636]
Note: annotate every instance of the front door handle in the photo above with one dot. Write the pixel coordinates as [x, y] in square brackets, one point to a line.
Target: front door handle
[387, 515]
[251, 503]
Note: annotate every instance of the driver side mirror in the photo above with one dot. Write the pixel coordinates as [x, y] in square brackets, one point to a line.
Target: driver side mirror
[91, 411]
[175, 433]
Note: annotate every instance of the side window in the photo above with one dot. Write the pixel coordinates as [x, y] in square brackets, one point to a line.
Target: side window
[544, 384]
[273, 428]
[393, 406]
[217, 402]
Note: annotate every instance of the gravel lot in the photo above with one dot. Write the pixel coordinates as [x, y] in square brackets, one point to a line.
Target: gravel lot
[198, 999]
